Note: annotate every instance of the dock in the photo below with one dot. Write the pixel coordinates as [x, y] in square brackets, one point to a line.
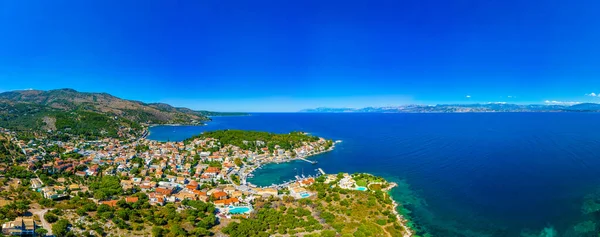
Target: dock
[321, 171]
[309, 161]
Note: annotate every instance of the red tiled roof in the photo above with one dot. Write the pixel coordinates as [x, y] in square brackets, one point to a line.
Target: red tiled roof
[219, 194]
[111, 203]
[131, 199]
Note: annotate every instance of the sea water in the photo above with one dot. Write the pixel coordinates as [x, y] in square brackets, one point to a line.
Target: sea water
[459, 174]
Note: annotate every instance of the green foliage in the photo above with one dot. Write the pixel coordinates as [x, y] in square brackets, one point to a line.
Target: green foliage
[41, 232]
[9, 151]
[268, 221]
[236, 179]
[60, 228]
[106, 187]
[19, 172]
[51, 218]
[157, 231]
[251, 140]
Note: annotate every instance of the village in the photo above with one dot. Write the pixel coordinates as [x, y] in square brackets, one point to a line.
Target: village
[168, 172]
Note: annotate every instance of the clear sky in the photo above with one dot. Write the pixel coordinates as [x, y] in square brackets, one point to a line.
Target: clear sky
[288, 55]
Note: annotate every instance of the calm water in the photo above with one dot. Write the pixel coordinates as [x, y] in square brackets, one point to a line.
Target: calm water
[488, 174]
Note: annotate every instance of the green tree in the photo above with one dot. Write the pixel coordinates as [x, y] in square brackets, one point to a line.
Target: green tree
[61, 228]
[41, 232]
[50, 217]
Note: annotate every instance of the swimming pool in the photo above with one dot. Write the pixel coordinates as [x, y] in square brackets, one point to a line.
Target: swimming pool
[239, 210]
[360, 188]
[304, 195]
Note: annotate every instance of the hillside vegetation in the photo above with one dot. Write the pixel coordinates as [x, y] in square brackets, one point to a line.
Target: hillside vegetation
[332, 212]
[251, 140]
[88, 114]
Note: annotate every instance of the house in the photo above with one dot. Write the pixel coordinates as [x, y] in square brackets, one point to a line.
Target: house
[36, 183]
[219, 195]
[227, 202]
[156, 199]
[181, 180]
[131, 199]
[347, 182]
[164, 191]
[212, 171]
[229, 190]
[191, 187]
[20, 226]
[74, 187]
[307, 182]
[186, 196]
[112, 203]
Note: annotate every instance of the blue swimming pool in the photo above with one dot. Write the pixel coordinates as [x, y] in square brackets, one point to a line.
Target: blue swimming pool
[360, 188]
[304, 195]
[239, 210]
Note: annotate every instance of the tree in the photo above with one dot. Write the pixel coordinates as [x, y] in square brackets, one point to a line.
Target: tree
[41, 232]
[157, 231]
[50, 217]
[61, 228]
[238, 162]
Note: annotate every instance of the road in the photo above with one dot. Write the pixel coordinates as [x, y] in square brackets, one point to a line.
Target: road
[41, 213]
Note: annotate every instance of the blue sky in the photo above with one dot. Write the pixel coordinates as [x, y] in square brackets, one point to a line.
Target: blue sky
[288, 55]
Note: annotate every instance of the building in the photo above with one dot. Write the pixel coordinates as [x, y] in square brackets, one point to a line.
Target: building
[20, 226]
[36, 183]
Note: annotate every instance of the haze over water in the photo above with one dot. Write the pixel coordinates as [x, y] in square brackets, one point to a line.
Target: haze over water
[475, 174]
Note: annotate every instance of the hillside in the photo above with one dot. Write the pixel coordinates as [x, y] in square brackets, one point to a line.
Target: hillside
[9, 151]
[89, 114]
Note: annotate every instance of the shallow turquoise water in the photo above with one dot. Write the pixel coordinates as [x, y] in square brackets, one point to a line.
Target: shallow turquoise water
[486, 174]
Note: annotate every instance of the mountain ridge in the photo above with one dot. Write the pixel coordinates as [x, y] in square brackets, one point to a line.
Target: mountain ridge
[462, 108]
[66, 110]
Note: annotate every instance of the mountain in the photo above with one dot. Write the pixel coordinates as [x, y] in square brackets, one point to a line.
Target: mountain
[462, 108]
[585, 107]
[89, 114]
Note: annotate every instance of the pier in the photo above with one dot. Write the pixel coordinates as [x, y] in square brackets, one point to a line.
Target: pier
[321, 171]
[309, 161]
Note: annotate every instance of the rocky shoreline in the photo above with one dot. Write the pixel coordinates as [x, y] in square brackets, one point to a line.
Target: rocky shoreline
[403, 221]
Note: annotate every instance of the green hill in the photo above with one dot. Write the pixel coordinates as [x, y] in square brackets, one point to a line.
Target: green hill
[66, 111]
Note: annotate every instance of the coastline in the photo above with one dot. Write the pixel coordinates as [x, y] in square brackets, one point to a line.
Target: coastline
[287, 160]
[403, 221]
[147, 129]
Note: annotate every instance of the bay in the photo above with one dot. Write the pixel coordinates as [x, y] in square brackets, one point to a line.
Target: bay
[461, 174]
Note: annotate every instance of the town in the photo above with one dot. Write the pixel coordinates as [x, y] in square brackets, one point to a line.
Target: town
[203, 169]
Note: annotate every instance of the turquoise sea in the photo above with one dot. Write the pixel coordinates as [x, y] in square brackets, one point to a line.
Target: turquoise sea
[471, 174]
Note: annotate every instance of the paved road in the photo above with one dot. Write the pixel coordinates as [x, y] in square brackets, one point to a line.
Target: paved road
[45, 224]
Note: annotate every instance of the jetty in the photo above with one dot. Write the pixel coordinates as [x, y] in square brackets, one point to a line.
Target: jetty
[309, 161]
[321, 171]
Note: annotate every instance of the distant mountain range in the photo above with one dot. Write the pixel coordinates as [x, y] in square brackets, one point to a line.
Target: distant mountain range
[462, 108]
[67, 110]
